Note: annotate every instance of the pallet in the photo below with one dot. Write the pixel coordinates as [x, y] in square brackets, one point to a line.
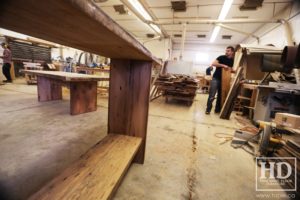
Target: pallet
[188, 100]
[97, 173]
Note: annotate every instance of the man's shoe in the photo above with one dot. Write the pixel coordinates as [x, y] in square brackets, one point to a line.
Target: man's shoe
[217, 111]
[7, 81]
[206, 112]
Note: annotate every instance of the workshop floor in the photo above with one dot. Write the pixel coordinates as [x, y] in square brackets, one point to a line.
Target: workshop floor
[184, 159]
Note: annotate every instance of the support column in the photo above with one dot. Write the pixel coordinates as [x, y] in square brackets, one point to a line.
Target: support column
[129, 100]
[83, 97]
[48, 89]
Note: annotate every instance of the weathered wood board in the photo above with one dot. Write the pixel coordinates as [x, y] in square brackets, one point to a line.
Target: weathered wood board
[97, 174]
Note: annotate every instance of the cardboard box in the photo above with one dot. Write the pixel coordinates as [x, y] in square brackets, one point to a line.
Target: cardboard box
[288, 120]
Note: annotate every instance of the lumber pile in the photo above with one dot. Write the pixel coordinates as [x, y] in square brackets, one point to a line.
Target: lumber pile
[178, 86]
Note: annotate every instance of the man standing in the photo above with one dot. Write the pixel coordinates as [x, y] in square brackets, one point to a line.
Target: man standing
[226, 62]
[6, 63]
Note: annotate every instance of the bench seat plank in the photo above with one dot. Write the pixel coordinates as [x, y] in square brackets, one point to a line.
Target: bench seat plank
[97, 174]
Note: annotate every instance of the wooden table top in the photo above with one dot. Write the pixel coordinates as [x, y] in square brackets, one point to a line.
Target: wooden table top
[74, 23]
[66, 76]
[92, 69]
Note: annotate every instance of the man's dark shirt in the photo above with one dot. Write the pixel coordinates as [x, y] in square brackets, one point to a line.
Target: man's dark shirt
[222, 60]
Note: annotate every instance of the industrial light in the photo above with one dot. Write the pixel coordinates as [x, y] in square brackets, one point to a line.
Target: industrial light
[215, 33]
[138, 7]
[156, 28]
[141, 10]
[226, 6]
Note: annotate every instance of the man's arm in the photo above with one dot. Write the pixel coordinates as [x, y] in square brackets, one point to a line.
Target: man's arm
[5, 54]
[217, 64]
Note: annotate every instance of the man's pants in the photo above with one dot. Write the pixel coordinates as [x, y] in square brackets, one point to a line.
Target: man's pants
[215, 86]
[6, 71]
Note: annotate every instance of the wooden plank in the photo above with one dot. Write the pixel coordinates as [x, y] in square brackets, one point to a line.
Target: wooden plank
[97, 173]
[49, 89]
[12, 71]
[65, 76]
[249, 86]
[75, 23]
[92, 70]
[129, 100]
[83, 97]
[229, 102]
[244, 98]
[253, 97]
[226, 79]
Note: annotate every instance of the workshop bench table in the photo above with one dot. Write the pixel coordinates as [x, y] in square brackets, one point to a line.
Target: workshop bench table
[83, 88]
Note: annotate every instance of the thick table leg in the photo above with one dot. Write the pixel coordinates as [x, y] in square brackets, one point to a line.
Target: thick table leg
[129, 90]
[83, 97]
[48, 89]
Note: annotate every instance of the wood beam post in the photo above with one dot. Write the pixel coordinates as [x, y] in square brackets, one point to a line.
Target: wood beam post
[83, 97]
[48, 89]
[129, 100]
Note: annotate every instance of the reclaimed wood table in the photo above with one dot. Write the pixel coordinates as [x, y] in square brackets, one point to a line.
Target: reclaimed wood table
[83, 25]
[83, 88]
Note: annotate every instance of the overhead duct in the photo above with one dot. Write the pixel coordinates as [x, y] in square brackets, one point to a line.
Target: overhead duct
[179, 6]
[251, 5]
[201, 36]
[177, 35]
[150, 35]
[226, 37]
[120, 9]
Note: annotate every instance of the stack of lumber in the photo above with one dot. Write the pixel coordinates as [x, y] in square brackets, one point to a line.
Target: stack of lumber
[292, 150]
[181, 87]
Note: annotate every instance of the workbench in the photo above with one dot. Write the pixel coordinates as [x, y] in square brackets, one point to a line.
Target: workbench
[83, 88]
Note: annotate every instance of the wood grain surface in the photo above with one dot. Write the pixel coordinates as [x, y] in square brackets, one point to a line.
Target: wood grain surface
[74, 23]
[129, 100]
[96, 174]
[65, 76]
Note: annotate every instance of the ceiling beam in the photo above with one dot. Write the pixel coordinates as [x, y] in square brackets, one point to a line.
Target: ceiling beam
[238, 31]
[213, 21]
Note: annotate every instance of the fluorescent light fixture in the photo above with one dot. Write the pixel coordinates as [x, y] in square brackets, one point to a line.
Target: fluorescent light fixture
[225, 9]
[141, 10]
[215, 33]
[156, 28]
[138, 7]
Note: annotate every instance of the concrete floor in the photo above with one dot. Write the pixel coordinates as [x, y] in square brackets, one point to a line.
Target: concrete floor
[184, 160]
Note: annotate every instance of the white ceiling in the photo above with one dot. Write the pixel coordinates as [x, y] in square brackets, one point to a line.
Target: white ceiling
[161, 11]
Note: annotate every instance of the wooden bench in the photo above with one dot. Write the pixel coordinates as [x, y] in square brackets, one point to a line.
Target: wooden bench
[83, 89]
[97, 174]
